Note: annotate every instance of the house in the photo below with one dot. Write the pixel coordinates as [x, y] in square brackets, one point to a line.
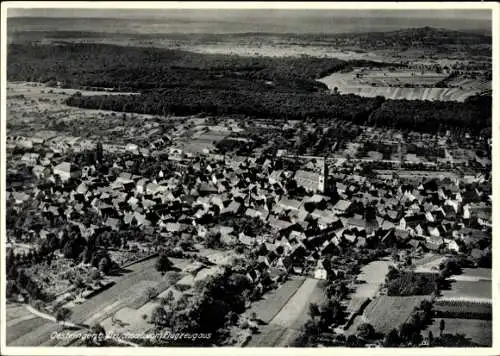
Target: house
[433, 243]
[284, 263]
[232, 209]
[18, 197]
[206, 188]
[289, 204]
[342, 207]
[320, 271]
[30, 158]
[41, 172]
[66, 171]
[246, 240]
[452, 245]
[141, 185]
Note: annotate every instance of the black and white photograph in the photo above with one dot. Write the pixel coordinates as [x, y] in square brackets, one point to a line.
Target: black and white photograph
[248, 177]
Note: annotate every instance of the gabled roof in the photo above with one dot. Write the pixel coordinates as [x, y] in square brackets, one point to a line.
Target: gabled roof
[342, 205]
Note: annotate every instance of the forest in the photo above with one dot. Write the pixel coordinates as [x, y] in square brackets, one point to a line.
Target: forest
[182, 83]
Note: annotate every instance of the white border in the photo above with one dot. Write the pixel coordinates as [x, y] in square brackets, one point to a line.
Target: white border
[494, 7]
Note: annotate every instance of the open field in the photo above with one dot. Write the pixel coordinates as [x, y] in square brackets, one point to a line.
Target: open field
[470, 290]
[386, 313]
[463, 309]
[297, 305]
[127, 288]
[317, 296]
[429, 263]
[273, 335]
[291, 312]
[391, 85]
[473, 274]
[14, 331]
[33, 107]
[372, 276]
[266, 309]
[478, 331]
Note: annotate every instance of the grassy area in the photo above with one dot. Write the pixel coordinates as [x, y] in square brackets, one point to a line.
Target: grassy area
[372, 276]
[463, 309]
[483, 274]
[272, 335]
[479, 331]
[297, 305]
[386, 313]
[18, 329]
[266, 309]
[469, 289]
[317, 296]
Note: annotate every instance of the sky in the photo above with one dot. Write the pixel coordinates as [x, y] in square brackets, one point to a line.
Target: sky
[249, 20]
[166, 13]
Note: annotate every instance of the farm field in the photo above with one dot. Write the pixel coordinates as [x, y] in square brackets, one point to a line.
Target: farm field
[17, 327]
[391, 86]
[386, 313]
[33, 107]
[372, 276]
[463, 309]
[127, 289]
[317, 296]
[266, 309]
[470, 290]
[273, 335]
[478, 331]
[290, 314]
[298, 305]
[474, 274]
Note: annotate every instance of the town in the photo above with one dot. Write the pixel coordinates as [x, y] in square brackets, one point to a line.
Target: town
[291, 226]
[249, 178]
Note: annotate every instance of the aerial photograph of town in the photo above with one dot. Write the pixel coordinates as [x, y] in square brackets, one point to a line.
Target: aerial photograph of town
[248, 178]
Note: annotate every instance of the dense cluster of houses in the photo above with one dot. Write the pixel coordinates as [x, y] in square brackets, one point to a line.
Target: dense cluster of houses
[329, 207]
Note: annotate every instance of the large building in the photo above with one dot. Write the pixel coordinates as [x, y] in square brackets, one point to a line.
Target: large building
[66, 170]
[310, 181]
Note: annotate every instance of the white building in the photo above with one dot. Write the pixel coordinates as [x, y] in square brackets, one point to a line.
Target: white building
[66, 170]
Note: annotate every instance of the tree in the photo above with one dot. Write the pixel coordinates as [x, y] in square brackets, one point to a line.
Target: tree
[98, 333]
[313, 310]
[151, 293]
[392, 339]
[63, 314]
[104, 265]
[430, 336]
[99, 152]
[352, 341]
[163, 264]
[416, 339]
[159, 317]
[366, 331]
[441, 327]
